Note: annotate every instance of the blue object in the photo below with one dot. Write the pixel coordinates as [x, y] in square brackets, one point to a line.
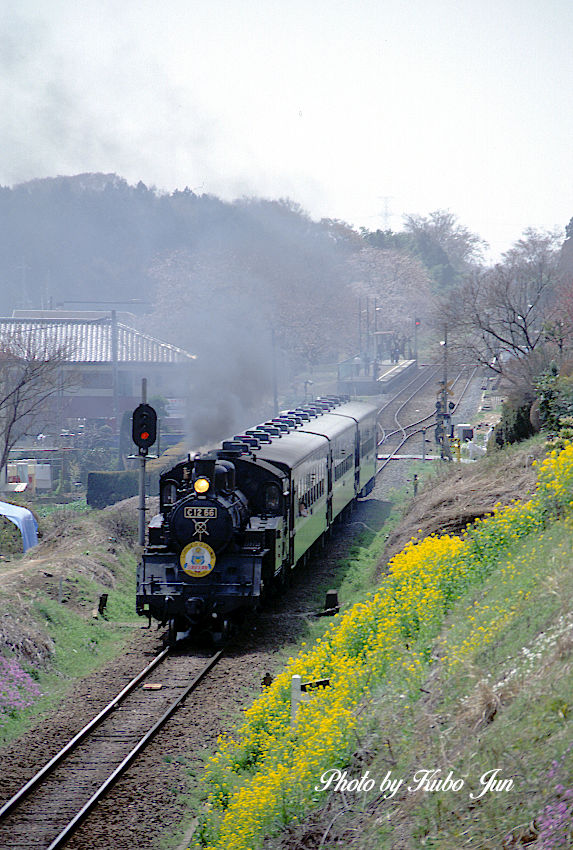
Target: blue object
[25, 521]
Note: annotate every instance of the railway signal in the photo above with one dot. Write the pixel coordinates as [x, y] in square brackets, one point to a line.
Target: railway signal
[144, 434]
[444, 430]
[144, 427]
[417, 324]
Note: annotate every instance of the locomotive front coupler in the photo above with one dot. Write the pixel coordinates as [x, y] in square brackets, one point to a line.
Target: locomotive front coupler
[194, 607]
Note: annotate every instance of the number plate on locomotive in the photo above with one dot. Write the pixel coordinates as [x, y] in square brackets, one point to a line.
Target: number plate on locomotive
[200, 513]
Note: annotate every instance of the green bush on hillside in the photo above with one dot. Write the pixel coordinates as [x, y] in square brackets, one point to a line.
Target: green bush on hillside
[107, 488]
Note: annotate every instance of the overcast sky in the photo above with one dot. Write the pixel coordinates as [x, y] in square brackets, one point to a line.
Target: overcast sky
[361, 110]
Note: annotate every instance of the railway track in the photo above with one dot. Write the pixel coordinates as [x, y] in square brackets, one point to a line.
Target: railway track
[46, 811]
[413, 389]
[393, 439]
[392, 406]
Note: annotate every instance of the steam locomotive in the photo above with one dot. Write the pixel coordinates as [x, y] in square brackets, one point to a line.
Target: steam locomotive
[234, 522]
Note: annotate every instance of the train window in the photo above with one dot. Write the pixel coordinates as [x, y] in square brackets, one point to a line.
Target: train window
[272, 499]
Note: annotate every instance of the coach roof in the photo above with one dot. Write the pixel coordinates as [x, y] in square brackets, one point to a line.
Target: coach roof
[292, 449]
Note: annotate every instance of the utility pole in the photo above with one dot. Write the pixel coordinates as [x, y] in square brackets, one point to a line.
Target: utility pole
[23, 268]
[386, 214]
[367, 328]
[114, 358]
[445, 415]
[445, 372]
[142, 459]
[416, 326]
[275, 380]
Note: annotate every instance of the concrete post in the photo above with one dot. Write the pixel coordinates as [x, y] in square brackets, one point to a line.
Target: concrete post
[295, 698]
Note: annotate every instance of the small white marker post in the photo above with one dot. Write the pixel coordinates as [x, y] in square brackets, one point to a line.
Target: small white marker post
[295, 697]
[302, 691]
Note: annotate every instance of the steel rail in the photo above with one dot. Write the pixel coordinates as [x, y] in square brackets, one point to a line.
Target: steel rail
[432, 414]
[418, 421]
[32, 785]
[50, 766]
[60, 839]
[423, 430]
[432, 369]
[405, 402]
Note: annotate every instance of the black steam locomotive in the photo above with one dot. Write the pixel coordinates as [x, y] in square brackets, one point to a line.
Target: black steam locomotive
[234, 522]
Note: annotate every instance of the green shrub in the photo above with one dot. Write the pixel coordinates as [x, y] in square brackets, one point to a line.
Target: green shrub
[107, 488]
[515, 424]
[555, 396]
[10, 538]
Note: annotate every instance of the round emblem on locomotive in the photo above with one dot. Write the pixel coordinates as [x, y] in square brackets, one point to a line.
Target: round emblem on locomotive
[197, 559]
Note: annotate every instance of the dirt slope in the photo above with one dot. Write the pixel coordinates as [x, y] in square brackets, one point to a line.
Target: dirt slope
[460, 493]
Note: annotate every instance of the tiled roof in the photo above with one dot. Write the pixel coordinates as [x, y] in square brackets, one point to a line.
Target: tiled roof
[91, 341]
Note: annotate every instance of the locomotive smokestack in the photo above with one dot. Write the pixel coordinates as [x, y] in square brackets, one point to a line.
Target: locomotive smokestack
[204, 467]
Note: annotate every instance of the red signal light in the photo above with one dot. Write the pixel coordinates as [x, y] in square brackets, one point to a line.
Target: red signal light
[144, 427]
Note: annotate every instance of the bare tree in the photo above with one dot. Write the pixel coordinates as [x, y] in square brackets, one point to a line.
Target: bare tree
[500, 316]
[31, 374]
[558, 328]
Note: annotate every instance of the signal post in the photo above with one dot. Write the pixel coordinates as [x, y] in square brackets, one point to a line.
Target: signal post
[144, 434]
[444, 431]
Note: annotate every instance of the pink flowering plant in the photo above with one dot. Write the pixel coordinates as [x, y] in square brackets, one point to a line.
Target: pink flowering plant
[555, 823]
[17, 688]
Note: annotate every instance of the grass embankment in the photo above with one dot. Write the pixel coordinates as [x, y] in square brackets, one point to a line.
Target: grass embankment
[50, 636]
[458, 665]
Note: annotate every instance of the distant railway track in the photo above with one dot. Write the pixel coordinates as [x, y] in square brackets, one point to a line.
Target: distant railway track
[388, 424]
[424, 375]
[413, 388]
[405, 431]
[46, 811]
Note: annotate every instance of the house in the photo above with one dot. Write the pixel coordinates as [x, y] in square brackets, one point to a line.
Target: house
[106, 361]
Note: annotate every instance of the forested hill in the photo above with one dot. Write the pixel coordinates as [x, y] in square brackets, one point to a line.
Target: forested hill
[256, 264]
[67, 239]
[94, 236]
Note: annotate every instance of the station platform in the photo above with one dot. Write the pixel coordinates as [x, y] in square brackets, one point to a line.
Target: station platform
[389, 377]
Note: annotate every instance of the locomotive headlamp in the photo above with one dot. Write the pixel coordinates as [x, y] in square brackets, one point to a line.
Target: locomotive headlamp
[201, 485]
